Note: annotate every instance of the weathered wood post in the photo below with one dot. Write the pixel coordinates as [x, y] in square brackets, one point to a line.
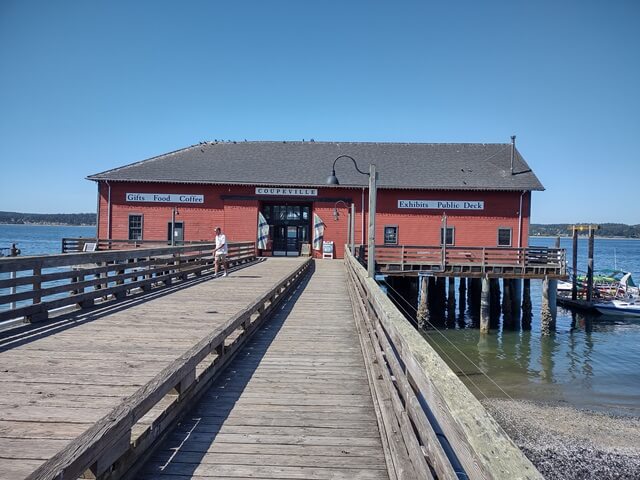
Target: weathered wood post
[485, 304]
[462, 295]
[475, 289]
[516, 298]
[574, 264]
[506, 302]
[422, 316]
[590, 264]
[451, 295]
[527, 308]
[441, 297]
[549, 307]
[494, 301]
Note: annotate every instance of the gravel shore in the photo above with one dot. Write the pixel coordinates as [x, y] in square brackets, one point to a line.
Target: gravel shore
[565, 443]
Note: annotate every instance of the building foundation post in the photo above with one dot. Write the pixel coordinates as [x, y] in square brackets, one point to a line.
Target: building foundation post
[516, 299]
[527, 308]
[451, 295]
[507, 314]
[485, 305]
[462, 295]
[422, 316]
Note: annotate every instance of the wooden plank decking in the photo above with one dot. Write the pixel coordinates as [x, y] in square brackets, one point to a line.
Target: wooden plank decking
[294, 403]
[59, 378]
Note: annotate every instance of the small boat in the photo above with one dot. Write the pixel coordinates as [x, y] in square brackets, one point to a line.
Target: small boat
[608, 284]
[564, 287]
[622, 307]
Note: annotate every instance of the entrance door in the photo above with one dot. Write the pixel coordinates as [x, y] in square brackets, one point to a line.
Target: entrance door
[178, 233]
[292, 241]
[289, 227]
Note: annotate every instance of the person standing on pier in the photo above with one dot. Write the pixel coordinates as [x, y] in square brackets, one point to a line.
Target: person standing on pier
[220, 252]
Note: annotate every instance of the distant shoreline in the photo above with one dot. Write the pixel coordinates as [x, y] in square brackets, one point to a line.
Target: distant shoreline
[50, 224]
[585, 236]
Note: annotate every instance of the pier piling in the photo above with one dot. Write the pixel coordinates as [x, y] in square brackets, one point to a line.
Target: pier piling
[462, 295]
[485, 305]
[590, 264]
[527, 308]
[451, 296]
[422, 314]
[516, 299]
[549, 307]
[507, 314]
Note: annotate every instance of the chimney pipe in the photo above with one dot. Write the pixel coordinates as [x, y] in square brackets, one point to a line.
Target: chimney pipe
[513, 151]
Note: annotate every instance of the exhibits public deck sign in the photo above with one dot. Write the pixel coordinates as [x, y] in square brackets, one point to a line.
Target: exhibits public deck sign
[164, 198]
[289, 192]
[442, 204]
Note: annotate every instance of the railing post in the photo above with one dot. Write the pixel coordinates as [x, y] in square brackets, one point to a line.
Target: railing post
[37, 285]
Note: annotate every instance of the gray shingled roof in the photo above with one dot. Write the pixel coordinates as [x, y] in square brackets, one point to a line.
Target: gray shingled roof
[429, 166]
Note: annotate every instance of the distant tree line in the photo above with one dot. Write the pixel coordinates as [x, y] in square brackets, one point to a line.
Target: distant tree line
[15, 218]
[605, 230]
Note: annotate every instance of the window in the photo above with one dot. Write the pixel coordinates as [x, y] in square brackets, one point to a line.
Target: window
[135, 227]
[390, 234]
[450, 236]
[504, 237]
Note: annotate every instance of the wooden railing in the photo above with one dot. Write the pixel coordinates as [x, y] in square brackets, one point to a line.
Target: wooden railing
[471, 260]
[77, 244]
[108, 449]
[431, 420]
[32, 286]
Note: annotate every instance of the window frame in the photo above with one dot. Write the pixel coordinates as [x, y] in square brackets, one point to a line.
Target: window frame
[141, 215]
[444, 237]
[384, 234]
[510, 237]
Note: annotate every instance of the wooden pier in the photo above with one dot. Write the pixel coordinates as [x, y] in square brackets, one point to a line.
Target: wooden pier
[472, 262]
[288, 368]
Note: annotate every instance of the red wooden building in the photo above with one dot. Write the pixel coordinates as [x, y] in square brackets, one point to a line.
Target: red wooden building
[484, 190]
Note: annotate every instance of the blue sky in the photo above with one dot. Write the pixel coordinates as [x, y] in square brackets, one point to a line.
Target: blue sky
[89, 86]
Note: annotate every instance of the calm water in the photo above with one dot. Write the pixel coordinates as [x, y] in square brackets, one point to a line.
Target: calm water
[37, 240]
[590, 361]
[40, 239]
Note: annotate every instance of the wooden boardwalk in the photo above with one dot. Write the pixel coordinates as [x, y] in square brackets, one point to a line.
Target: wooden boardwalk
[294, 404]
[59, 378]
[258, 375]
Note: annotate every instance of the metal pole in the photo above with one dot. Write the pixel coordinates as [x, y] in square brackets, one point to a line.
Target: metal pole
[173, 226]
[348, 230]
[353, 229]
[371, 243]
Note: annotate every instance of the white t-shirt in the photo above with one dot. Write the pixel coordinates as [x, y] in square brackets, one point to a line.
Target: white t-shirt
[221, 240]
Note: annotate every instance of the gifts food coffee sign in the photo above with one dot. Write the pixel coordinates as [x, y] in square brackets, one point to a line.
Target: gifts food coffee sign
[164, 198]
[442, 204]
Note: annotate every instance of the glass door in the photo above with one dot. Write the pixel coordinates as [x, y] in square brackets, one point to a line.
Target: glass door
[292, 241]
[289, 227]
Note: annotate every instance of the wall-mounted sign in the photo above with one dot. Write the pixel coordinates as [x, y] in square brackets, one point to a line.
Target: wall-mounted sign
[164, 198]
[442, 204]
[287, 192]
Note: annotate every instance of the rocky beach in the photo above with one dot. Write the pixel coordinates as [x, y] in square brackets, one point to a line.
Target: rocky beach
[569, 444]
